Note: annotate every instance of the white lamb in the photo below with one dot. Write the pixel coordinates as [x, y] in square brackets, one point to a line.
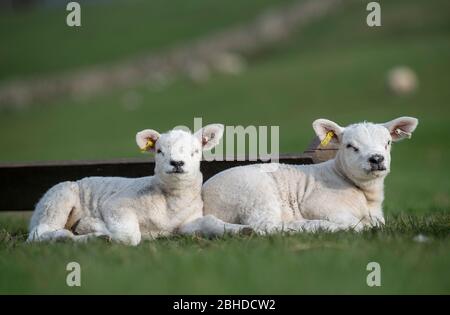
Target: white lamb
[343, 193]
[129, 209]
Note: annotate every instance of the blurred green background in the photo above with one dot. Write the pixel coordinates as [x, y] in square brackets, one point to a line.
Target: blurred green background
[334, 67]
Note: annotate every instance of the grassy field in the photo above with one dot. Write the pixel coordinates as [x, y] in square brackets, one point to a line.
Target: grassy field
[41, 42]
[281, 264]
[335, 68]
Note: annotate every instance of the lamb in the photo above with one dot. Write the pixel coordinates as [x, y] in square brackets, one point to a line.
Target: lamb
[344, 193]
[127, 210]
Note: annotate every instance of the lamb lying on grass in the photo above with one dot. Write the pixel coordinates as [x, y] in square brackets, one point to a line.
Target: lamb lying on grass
[343, 193]
[128, 209]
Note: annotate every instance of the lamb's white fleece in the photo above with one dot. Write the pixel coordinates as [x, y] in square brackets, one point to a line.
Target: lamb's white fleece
[342, 193]
[128, 209]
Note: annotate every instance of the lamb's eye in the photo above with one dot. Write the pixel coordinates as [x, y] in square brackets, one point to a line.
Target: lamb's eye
[159, 151]
[349, 146]
[387, 145]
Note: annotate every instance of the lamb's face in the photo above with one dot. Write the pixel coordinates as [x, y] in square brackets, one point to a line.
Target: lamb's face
[365, 151]
[178, 153]
[365, 148]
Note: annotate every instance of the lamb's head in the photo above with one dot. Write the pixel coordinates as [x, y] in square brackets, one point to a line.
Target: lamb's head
[178, 153]
[364, 149]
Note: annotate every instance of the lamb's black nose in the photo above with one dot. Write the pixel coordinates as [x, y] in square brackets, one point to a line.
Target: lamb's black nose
[176, 163]
[376, 159]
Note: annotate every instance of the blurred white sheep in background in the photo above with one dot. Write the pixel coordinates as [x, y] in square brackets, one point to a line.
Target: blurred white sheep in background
[402, 80]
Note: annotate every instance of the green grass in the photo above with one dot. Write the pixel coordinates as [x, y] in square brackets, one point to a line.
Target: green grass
[36, 42]
[281, 264]
[335, 68]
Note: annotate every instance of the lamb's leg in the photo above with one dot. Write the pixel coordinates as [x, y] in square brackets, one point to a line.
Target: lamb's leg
[347, 221]
[86, 229]
[297, 226]
[52, 212]
[210, 226]
[91, 236]
[340, 221]
[268, 221]
[43, 233]
[311, 226]
[92, 227]
[123, 225]
[267, 218]
[66, 235]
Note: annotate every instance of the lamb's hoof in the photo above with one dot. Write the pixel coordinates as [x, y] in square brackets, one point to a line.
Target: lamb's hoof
[247, 231]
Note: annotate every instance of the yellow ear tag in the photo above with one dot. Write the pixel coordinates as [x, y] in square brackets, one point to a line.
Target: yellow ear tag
[327, 139]
[148, 145]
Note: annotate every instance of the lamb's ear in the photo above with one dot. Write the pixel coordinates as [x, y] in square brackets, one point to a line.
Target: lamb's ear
[323, 126]
[146, 139]
[210, 135]
[401, 128]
